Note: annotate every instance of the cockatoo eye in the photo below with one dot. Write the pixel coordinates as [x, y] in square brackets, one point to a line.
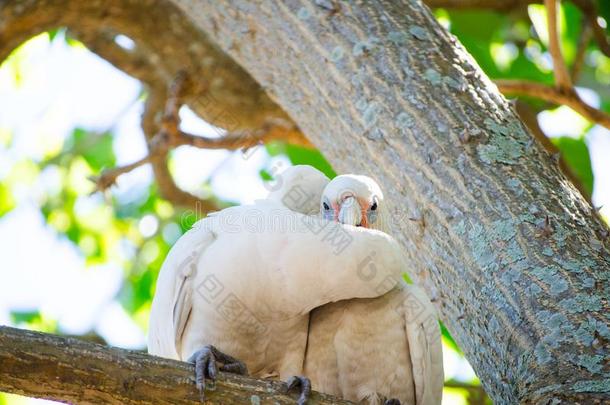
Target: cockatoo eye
[372, 213]
[326, 207]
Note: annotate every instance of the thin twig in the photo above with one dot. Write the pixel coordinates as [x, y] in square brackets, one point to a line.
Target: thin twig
[109, 176]
[243, 139]
[589, 10]
[158, 143]
[169, 136]
[563, 92]
[101, 42]
[562, 76]
[158, 146]
[171, 118]
[581, 51]
[554, 95]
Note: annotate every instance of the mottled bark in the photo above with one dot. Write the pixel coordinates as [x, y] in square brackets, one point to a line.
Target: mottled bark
[530, 119]
[71, 370]
[515, 257]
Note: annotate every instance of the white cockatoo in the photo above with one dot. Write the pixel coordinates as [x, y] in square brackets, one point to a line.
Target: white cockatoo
[384, 350]
[242, 282]
[378, 350]
[299, 188]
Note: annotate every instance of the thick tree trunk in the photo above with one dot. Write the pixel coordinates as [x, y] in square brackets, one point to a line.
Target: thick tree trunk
[70, 370]
[515, 258]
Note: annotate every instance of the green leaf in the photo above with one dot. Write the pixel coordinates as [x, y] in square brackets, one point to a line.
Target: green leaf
[7, 201]
[572, 18]
[137, 290]
[537, 13]
[524, 68]
[477, 37]
[576, 155]
[96, 149]
[6, 137]
[18, 317]
[101, 155]
[468, 23]
[274, 148]
[140, 204]
[569, 26]
[265, 175]
[299, 155]
[34, 320]
[53, 33]
[73, 42]
[449, 338]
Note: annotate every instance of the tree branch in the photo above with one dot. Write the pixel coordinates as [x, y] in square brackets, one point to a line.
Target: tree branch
[70, 370]
[589, 10]
[245, 139]
[581, 51]
[157, 142]
[169, 136]
[135, 62]
[109, 176]
[553, 95]
[224, 94]
[238, 101]
[562, 76]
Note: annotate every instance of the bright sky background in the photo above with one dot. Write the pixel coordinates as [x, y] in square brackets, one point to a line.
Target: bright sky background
[63, 87]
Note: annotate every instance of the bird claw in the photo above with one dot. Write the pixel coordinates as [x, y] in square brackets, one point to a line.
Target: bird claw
[392, 401]
[305, 387]
[206, 365]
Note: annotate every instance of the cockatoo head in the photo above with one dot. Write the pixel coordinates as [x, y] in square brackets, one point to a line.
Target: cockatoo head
[299, 188]
[353, 200]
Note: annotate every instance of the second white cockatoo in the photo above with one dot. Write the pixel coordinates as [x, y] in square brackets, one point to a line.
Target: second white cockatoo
[242, 282]
[384, 350]
[299, 188]
[378, 350]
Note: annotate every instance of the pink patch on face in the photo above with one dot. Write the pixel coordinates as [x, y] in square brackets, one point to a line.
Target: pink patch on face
[335, 211]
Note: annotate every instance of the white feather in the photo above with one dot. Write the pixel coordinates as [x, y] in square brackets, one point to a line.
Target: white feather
[380, 348]
[375, 349]
[245, 279]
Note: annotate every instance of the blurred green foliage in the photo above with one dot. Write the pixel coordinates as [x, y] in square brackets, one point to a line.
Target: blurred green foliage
[514, 45]
[576, 156]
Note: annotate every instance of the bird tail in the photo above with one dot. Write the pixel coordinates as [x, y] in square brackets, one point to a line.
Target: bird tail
[424, 336]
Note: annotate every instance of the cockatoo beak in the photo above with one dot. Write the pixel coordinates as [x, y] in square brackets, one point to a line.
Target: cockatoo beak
[351, 211]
